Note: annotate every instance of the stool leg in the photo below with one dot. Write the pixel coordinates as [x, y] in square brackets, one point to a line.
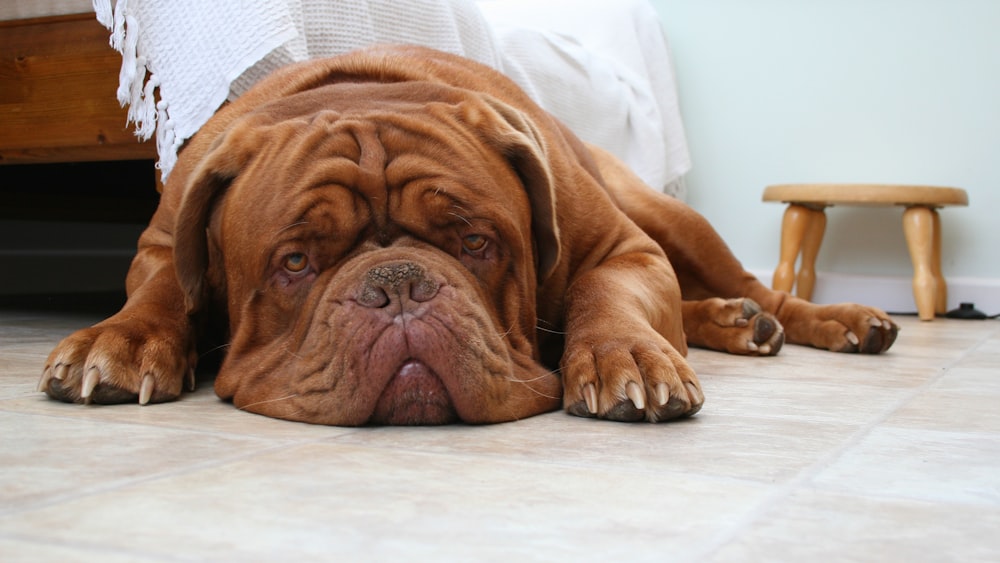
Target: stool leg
[793, 229]
[941, 299]
[918, 226]
[810, 250]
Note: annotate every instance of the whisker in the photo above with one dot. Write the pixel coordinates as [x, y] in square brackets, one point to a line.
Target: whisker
[285, 398]
[540, 394]
[525, 382]
[290, 352]
[453, 214]
[286, 227]
[216, 348]
[507, 332]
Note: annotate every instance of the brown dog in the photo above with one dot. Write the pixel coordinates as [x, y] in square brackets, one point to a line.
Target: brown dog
[399, 236]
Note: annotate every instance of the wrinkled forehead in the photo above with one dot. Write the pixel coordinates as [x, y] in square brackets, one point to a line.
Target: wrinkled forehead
[344, 120]
[360, 146]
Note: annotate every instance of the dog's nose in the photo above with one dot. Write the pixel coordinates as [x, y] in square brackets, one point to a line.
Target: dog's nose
[403, 281]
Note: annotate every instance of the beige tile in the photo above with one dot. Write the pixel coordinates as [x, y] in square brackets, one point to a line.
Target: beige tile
[803, 364]
[39, 328]
[985, 355]
[200, 411]
[49, 459]
[332, 502]
[19, 374]
[52, 550]
[928, 465]
[810, 455]
[819, 526]
[851, 404]
[962, 400]
[762, 450]
[972, 380]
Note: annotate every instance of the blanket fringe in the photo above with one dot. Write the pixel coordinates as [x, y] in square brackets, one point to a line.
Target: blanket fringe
[136, 85]
[104, 13]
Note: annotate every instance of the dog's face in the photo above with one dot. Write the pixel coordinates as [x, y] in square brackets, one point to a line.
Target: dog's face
[379, 260]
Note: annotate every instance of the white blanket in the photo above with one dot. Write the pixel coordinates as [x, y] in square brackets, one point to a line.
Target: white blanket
[569, 55]
[603, 67]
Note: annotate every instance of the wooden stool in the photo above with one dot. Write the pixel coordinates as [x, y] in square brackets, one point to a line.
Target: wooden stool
[805, 220]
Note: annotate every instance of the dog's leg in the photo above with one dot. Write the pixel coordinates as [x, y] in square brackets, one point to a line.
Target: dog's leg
[624, 353]
[710, 277]
[707, 269]
[144, 353]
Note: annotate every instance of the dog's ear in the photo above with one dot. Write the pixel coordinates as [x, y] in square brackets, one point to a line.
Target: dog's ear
[220, 165]
[520, 141]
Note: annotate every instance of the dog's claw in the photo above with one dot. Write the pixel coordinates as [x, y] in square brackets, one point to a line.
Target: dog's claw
[191, 383]
[853, 338]
[662, 394]
[590, 396]
[146, 389]
[43, 382]
[90, 381]
[60, 372]
[697, 397]
[750, 308]
[634, 393]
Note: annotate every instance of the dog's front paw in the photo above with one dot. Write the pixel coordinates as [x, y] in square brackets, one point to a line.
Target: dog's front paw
[120, 361]
[629, 378]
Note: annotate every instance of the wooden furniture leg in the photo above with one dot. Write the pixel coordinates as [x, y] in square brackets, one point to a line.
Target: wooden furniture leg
[793, 229]
[810, 250]
[805, 220]
[941, 299]
[918, 226]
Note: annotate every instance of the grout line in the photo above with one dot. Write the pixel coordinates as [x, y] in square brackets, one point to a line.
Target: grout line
[89, 552]
[781, 493]
[126, 483]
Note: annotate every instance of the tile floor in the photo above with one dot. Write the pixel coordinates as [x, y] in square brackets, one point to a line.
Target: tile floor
[810, 456]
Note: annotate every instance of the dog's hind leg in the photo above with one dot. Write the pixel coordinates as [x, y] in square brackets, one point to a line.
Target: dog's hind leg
[737, 326]
[716, 288]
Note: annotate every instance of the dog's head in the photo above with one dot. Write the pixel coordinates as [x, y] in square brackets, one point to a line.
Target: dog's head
[378, 250]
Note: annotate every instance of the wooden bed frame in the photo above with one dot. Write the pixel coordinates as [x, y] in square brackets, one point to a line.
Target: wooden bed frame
[58, 79]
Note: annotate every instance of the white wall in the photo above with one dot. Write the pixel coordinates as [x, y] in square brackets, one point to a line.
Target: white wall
[894, 91]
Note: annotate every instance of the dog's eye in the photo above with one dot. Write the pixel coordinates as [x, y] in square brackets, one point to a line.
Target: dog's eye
[296, 262]
[474, 243]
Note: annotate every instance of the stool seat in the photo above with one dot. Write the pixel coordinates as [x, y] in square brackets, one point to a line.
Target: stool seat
[805, 221]
[866, 194]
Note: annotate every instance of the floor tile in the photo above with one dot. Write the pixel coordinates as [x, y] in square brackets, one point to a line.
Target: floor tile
[333, 500]
[929, 465]
[963, 400]
[820, 526]
[200, 411]
[851, 404]
[799, 363]
[53, 549]
[47, 459]
[766, 451]
[806, 456]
